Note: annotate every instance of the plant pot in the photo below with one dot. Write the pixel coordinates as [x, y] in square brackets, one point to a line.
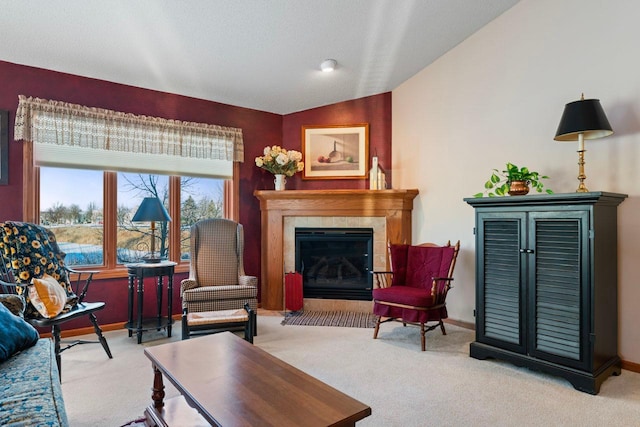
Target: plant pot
[518, 188]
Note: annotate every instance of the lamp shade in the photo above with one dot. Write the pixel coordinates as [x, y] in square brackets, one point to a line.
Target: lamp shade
[151, 209]
[585, 117]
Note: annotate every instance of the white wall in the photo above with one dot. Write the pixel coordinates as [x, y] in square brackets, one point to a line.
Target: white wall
[498, 97]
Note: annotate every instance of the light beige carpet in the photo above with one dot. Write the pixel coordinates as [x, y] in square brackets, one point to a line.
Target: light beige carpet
[404, 386]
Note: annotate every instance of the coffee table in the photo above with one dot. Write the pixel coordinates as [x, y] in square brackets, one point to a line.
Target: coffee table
[225, 381]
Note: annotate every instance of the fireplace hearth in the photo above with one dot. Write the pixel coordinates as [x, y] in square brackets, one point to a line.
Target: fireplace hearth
[335, 262]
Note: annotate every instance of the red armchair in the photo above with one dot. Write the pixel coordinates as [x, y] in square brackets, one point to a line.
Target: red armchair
[415, 291]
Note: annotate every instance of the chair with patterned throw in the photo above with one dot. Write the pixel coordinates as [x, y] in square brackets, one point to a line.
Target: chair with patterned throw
[415, 291]
[33, 267]
[217, 280]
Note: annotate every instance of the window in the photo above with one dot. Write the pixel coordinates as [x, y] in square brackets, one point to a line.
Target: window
[71, 202]
[200, 198]
[60, 139]
[71, 206]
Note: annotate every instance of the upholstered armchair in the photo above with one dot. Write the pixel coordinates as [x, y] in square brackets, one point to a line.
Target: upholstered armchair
[217, 280]
[415, 291]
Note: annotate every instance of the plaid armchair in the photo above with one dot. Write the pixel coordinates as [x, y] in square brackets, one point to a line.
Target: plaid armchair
[217, 280]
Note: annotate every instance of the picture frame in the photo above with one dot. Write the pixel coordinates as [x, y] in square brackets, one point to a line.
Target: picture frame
[335, 151]
[4, 147]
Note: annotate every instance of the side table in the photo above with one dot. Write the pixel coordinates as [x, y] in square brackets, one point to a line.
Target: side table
[140, 271]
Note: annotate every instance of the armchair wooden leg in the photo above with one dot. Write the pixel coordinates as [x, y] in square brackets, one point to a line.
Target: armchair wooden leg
[101, 337]
[249, 326]
[185, 325]
[442, 327]
[423, 340]
[375, 331]
[255, 324]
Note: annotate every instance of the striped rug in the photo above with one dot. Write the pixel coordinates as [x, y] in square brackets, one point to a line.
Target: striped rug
[347, 319]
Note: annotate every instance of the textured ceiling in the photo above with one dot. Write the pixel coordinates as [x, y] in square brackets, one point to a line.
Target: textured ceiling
[256, 54]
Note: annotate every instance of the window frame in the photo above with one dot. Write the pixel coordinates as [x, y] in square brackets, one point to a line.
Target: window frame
[110, 268]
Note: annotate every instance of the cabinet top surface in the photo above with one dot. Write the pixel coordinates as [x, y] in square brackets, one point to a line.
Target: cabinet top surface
[549, 199]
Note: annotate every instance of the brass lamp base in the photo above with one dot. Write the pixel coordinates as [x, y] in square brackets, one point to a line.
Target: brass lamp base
[581, 175]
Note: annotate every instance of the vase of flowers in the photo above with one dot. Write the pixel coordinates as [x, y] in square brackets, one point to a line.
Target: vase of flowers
[280, 181]
[280, 162]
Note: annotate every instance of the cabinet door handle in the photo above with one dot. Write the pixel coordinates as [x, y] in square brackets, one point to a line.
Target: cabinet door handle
[526, 251]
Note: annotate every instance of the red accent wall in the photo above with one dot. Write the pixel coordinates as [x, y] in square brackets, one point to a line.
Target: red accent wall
[259, 130]
[375, 110]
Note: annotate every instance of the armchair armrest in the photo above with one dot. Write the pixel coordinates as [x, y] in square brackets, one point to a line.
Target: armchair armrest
[382, 279]
[81, 293]
[435, 290]
[248, 280]
[187, 284]
[9, 288]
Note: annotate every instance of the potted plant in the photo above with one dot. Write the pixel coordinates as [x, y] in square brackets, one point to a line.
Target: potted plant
[513, 181]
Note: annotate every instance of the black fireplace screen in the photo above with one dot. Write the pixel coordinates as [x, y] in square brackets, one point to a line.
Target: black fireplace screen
[335, 262]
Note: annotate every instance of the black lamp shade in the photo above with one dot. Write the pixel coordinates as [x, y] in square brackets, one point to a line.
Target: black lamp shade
[151, 209]
[583, 117]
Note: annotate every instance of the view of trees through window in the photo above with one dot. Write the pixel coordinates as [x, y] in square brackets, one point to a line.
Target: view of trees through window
[71, 205]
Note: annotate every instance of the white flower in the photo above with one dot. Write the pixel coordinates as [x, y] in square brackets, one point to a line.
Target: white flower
[278, 160]
[282, 159]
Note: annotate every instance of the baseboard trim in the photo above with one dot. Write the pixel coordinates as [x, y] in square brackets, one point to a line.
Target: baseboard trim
[629, 366]
[89, 329]
[462, 324]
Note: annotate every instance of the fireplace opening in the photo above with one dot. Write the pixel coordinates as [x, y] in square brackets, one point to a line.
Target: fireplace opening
[335, 262]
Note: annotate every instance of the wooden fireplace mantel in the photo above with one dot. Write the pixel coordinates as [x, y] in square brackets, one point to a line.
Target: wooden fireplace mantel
[275, 206]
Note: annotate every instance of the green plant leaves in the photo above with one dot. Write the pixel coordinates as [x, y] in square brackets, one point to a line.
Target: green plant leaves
[498, 183]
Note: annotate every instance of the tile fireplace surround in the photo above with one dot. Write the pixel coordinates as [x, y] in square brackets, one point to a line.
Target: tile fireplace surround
[388, 212]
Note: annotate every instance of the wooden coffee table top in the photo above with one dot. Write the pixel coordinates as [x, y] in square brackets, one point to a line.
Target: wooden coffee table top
[233, 383]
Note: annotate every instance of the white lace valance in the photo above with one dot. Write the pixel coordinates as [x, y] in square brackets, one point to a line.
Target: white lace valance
[59, 123]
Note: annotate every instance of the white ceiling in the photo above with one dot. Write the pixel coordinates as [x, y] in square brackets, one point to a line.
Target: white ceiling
[260, 54]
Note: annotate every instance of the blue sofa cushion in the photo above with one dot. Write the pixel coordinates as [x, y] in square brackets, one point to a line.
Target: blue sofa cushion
[15, 334]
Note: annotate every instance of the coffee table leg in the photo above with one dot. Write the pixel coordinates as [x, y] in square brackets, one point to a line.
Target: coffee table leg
[158, 389]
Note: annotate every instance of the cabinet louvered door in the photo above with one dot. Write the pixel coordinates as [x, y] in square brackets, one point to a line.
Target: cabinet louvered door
[562, 317]
[501, 309]
[558, 292]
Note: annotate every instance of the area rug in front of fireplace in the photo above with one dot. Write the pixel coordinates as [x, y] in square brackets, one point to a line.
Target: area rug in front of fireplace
[347, 319]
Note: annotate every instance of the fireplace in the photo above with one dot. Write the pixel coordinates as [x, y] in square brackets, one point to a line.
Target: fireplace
[335, 262]
[388, 212]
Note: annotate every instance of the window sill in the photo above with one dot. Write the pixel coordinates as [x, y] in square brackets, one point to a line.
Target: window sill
[121, 271]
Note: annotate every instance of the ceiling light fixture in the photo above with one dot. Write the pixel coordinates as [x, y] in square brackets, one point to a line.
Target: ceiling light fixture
[328, 65]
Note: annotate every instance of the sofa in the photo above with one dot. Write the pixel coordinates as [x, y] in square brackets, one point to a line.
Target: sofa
[30, 391]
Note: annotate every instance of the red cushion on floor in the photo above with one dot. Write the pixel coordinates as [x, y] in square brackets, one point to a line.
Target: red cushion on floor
[404, 295]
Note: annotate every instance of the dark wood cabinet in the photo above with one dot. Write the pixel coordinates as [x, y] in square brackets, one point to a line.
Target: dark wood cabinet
[546, 284]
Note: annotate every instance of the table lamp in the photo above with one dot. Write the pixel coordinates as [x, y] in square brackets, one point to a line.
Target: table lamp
[583, 119]
[151, 209]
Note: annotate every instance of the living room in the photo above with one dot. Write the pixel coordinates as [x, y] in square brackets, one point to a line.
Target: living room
[496, 97]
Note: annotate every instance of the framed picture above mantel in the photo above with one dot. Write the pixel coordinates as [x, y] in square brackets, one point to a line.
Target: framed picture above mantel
[335, 151]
